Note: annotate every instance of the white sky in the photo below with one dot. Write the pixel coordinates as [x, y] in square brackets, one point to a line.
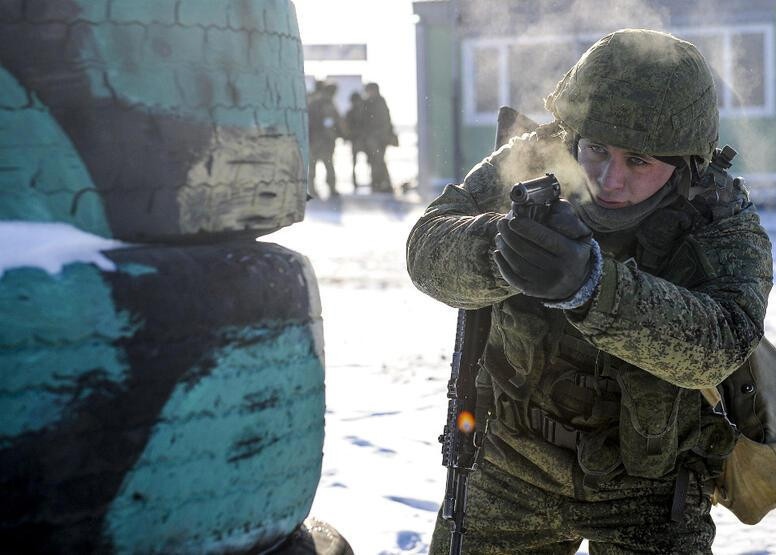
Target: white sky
[387, 27]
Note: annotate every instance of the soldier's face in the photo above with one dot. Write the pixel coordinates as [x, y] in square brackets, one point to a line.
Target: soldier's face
[618, 178]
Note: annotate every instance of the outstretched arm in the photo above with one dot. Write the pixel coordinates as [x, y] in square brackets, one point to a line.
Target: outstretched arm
[692, 337]
[449, 252]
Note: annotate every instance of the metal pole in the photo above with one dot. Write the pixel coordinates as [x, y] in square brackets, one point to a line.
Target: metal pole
[456, 85]
[422, 127]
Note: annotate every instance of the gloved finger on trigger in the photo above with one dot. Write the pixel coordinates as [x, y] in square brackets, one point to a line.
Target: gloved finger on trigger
[507, 272]
[516, 240]
[541, 236]
[508, 236]
[516, 258]
[567, 223]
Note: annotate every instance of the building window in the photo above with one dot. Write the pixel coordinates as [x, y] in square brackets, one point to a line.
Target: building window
[741, 57]
[520, 72]
[748, 69]
[536, 68]
[514, 72]
[486, 78]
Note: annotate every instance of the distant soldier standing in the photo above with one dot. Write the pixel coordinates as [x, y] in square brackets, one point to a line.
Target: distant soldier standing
[325, 126]
[355, 127]
[650, 283]
[379, 134]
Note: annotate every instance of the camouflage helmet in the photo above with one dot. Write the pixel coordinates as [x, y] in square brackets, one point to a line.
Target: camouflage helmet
[644, 91]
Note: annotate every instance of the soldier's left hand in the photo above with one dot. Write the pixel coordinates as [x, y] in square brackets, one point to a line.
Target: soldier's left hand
[551, 260]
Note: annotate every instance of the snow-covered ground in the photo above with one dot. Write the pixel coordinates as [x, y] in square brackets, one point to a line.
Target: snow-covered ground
[387, 363]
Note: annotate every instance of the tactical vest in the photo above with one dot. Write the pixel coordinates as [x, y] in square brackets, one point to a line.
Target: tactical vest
[617, 417]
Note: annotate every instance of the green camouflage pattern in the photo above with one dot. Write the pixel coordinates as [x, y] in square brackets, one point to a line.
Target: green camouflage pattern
[644, 91]
[661, 334]
[691, 337]
[509, 516]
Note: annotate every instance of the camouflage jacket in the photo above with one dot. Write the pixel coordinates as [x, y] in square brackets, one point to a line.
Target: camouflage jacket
[679, 308]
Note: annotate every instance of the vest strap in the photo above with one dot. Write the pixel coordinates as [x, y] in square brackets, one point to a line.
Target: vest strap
[552, 431]
[539, 423]
[680, 494]
[577, 349]
[586, 398]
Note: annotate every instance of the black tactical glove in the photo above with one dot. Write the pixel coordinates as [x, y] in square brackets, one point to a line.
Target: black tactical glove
[551, 260]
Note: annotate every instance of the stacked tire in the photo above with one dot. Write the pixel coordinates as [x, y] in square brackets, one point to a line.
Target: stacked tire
[171, 398]
[189, 116]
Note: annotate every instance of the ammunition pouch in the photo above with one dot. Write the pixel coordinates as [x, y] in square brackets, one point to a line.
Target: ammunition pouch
[750, 395]
[658, 420]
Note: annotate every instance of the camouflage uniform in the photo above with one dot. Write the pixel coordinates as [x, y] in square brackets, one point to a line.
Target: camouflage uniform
[597, 409]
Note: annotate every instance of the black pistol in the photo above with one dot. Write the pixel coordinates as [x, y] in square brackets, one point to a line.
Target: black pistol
[534, 198]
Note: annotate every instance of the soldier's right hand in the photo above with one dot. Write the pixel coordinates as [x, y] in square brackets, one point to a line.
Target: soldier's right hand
[563, 219]
[549, 260]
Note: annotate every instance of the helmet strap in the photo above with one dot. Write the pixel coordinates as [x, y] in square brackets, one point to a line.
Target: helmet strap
[685, 173]
[683, 180]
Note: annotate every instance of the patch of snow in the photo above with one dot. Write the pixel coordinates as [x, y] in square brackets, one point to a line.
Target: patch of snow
[50, 246]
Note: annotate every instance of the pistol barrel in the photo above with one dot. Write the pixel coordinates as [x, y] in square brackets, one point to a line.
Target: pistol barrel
[542, 190]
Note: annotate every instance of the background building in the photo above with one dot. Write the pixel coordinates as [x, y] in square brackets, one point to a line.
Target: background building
[473, 57]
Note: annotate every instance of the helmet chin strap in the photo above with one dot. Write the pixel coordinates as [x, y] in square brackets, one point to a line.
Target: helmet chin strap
[684, 173]
[687, 172]
[697, 167]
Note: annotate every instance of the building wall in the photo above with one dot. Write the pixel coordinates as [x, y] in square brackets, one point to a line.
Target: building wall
[440, 105]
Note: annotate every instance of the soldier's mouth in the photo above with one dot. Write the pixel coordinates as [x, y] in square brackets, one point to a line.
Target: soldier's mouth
[610, 204]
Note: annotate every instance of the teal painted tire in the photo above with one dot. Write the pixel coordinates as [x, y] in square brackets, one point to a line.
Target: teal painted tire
[184, 117]
[42, 176]
[175, 405]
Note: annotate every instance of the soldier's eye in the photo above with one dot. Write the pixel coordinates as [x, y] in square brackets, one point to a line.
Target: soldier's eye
[637, 161]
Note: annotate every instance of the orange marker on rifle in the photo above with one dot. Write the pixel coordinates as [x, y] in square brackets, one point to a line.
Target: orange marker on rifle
[466, 422]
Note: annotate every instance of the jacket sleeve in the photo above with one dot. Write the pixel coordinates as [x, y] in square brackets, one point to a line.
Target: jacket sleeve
[692, 337]
[449, 248]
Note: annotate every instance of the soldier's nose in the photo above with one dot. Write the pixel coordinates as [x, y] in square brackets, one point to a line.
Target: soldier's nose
[613, 177]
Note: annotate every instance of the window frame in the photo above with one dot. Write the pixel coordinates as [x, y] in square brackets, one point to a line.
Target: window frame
[472, 117]
[727, 108]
